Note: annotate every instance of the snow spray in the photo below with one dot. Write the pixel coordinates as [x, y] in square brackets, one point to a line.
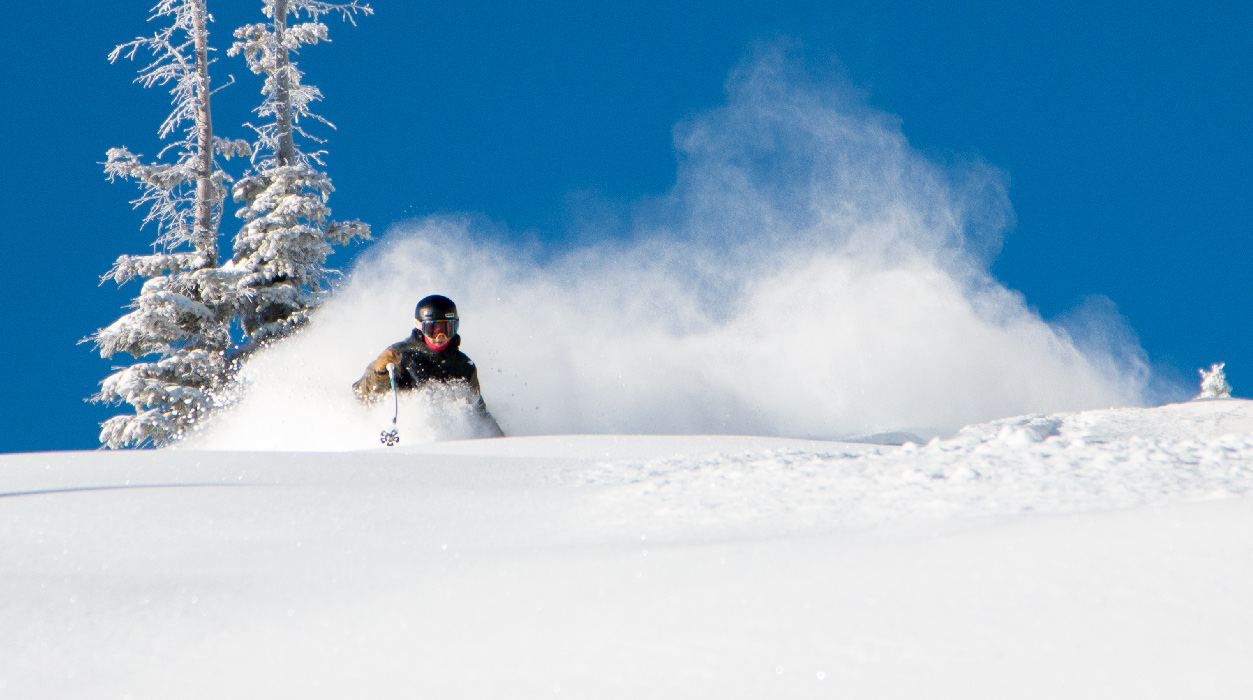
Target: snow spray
[809, 274]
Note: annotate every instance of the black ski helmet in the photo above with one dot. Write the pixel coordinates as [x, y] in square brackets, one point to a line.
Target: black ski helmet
[435, 308]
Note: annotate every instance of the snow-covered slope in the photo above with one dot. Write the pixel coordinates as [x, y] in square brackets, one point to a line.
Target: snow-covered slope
[1100, 554]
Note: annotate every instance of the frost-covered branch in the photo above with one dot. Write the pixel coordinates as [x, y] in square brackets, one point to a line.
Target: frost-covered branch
[316, 8]
[178, 328]
[267, 48]
[281, 251]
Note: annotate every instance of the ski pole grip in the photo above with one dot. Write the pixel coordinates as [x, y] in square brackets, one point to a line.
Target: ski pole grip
[391, 376]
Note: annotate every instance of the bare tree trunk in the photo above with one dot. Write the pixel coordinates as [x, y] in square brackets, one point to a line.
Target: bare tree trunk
[282, 96]
[204, 236]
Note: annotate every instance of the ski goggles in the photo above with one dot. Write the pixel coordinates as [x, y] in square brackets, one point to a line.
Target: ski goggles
[433, 329]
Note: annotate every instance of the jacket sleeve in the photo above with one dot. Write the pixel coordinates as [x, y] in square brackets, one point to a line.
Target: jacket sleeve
[490, 425]
[474, 379]
[375, 381]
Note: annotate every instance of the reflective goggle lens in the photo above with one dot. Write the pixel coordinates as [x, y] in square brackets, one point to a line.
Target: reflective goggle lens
[432, 329]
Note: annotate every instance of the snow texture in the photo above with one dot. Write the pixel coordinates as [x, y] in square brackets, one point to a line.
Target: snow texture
[1045, 464]
[1100, 554]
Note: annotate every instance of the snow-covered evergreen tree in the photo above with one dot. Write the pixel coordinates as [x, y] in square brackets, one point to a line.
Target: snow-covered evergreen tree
[178, 330]
[1214, 383]
[281, 251]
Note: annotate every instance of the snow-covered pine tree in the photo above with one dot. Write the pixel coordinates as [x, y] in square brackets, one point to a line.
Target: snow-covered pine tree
[280, 253]
[1214, 383]
[178, 330]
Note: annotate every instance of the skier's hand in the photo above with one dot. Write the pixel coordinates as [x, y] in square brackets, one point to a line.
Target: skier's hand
[389, 356]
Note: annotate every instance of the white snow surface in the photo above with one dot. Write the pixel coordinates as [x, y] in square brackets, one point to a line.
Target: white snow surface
[1102, 554]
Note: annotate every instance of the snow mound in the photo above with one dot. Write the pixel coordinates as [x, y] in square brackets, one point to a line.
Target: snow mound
[1060, 463]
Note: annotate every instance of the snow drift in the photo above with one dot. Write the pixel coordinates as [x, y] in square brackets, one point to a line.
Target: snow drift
[1095, 555]
[809, 275]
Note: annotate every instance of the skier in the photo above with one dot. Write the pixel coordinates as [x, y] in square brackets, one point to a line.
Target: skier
[429, 354]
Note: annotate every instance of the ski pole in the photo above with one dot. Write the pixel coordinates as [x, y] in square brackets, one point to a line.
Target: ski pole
[391, 437]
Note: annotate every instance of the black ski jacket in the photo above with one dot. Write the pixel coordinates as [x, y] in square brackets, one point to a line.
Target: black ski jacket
[416, 364]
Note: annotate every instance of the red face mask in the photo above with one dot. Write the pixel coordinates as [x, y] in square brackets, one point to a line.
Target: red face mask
[438, 334]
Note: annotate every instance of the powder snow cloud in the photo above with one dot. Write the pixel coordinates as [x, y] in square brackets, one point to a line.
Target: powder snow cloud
[810, 274]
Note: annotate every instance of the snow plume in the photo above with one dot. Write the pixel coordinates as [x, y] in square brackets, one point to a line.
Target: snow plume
[809, 275]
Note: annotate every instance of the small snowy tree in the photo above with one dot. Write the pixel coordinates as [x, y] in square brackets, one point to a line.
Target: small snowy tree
[281, 251]
[1214, 383]
[180, 320]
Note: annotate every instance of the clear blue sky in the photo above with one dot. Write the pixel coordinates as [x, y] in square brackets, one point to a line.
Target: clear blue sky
[1125, 131]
